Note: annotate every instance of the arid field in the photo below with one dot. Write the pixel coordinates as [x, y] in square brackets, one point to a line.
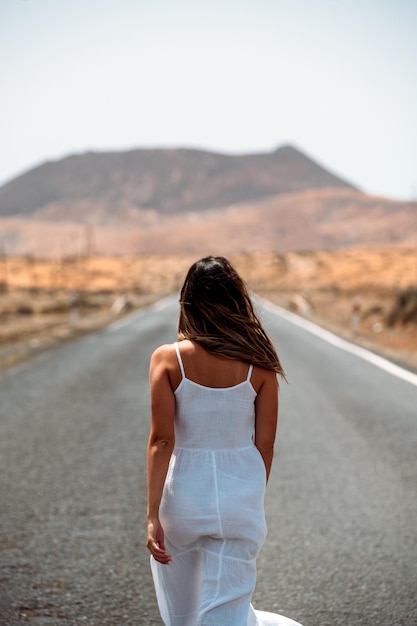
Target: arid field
[45, 301]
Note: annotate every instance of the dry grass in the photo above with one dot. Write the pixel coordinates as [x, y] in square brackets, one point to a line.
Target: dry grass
[37, 296]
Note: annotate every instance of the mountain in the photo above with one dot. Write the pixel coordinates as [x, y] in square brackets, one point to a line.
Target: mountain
[168, 181]
[191, 201]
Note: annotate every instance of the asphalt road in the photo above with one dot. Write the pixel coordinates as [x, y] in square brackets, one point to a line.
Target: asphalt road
[341, 503]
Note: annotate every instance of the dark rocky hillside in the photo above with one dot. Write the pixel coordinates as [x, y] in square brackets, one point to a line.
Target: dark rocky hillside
[166, 180]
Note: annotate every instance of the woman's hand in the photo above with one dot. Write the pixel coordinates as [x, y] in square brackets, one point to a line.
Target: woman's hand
[155, 542]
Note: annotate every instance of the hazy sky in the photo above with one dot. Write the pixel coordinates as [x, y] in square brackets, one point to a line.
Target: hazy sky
[337, 78]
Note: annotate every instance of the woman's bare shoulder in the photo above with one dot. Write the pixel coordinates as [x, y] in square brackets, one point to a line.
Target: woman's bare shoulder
[261, 376]
[163, 354]
[164, 362]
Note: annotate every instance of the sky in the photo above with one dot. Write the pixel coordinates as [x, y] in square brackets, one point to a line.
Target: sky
[335, 78]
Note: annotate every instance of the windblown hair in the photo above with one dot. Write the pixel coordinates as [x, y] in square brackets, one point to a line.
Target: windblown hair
[217, 313]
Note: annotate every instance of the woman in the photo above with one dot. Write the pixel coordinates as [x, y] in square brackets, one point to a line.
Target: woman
[214, 399]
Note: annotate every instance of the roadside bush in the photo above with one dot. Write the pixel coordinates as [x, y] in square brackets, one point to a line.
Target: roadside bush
[24, 309]
[404, 310]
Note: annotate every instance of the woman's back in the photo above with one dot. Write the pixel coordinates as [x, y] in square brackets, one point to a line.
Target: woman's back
[208, 369]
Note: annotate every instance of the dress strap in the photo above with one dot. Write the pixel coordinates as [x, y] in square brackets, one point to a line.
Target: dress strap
[177, 350]
[250, 370]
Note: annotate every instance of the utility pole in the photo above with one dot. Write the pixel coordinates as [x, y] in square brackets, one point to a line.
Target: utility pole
[4, 284]
[413, 211]
[89, 240]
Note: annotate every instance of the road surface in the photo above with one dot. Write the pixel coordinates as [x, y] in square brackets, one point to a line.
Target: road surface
[341, 503]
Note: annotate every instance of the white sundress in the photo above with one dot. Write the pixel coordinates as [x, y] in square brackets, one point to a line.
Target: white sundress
[212, 510]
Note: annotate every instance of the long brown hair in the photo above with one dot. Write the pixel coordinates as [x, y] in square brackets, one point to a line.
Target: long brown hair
[217, 313]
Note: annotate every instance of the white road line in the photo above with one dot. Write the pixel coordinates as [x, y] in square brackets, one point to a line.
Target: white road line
[161, 304]
[124, 321]
[133, 317]
[347, 346]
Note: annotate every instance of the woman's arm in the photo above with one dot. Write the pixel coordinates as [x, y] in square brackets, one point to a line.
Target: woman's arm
[266, 419]
[160, 446]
